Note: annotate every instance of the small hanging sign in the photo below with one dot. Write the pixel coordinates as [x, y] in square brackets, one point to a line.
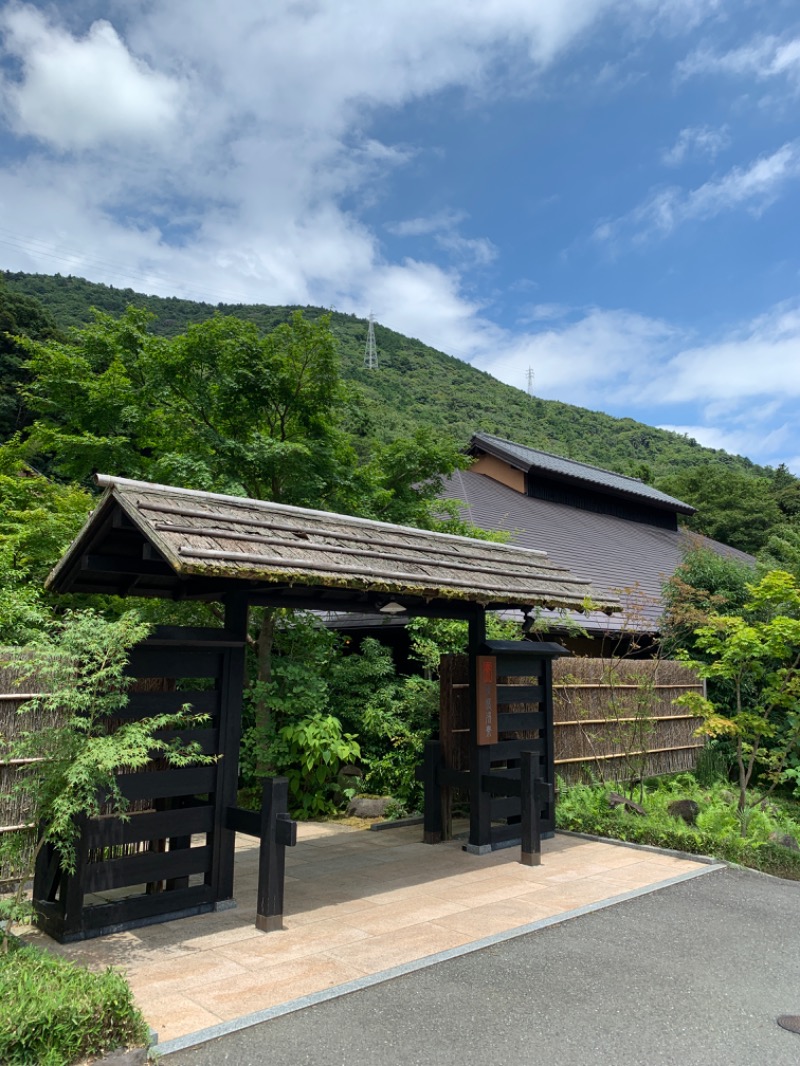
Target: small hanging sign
[486, 702]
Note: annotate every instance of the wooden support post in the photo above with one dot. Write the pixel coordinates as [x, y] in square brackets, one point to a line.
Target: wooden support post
[231, 684]
[480, 802]
[176, 844]
[432, 804]
[278, 832]
[548, 766]
[73, 883]
[531, 795]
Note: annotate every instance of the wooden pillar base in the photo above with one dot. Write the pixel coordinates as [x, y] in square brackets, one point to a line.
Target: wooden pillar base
[531, 858]
[477, 849]
[269, 923]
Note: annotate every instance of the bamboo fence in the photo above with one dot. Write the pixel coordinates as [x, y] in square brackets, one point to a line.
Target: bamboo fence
[616, 719]
[16, 691]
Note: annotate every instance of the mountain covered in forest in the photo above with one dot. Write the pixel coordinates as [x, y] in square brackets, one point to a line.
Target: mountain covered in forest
[415, 385]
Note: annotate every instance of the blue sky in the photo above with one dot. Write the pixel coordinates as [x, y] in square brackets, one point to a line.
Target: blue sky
[607, 193]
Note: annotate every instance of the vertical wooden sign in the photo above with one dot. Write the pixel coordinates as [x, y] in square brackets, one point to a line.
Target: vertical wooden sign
[486, 701]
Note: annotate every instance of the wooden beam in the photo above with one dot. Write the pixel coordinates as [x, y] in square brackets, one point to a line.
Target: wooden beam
[125, 564]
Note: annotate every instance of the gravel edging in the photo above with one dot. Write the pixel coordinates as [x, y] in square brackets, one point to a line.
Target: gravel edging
[134, 1056]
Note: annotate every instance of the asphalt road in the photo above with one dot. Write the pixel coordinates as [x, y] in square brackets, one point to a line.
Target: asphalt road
[693, 974]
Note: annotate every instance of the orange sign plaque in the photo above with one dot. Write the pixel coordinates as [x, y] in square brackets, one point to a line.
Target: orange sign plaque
[486, 691]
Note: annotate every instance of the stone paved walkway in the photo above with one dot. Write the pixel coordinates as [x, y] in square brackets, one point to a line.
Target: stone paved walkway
[357, 903]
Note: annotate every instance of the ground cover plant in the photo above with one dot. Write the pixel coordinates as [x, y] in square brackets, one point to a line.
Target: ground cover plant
[764, 836]
[55, 1012]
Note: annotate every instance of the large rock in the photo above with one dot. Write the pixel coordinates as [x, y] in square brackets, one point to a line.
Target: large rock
[786, 840]
[369, 806]
[688, 810]
[616, 800]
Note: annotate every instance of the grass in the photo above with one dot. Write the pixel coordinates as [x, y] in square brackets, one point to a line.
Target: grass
[718, 832]
[53, 1012]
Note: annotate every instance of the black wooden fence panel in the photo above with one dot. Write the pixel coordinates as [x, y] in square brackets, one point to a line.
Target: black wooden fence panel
[147, 861]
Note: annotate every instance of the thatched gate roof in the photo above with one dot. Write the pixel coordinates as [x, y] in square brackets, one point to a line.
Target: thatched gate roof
[156, 540]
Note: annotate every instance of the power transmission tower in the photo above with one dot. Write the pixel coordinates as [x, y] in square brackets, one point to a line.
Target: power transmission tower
[530, 380]
[371, 349]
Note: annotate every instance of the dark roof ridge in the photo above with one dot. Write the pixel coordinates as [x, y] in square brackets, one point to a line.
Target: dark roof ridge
[561, 458]
[579, 471]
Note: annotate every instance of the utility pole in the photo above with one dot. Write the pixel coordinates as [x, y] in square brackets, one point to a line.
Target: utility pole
[371, 349]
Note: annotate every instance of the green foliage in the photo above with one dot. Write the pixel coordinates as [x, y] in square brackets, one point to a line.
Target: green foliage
[782, 550]
[718, 832]
[714, 762]
[398, 720]
[416, 386]
[404, 478]
[218, 407]
[734, 507]
[38, 516]
[74, 761]
[53, 1012]
[19, 316]
[310, 752]
[38, 519]
[757, 653]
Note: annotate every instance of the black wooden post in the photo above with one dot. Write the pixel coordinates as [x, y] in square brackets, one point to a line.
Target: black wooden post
[480, 802]
[73, 890]
[278, 832]
[531, 795]
[549, 765]
[230, 729]
[432, 804]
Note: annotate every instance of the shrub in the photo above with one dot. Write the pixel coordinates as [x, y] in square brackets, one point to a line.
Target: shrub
[718, 832]
[53, 1012]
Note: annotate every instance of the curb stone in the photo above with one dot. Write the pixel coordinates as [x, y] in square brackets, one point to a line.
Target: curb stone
[135, 1056]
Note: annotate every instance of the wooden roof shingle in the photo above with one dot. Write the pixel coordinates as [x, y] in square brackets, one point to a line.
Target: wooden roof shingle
[158, 540]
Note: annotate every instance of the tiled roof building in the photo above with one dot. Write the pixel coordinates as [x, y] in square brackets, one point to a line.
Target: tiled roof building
[615, 531]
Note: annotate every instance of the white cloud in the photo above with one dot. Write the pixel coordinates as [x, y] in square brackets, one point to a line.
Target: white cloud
[753, 187]
[758, 360]
[269, 159]
[587, 357]
[762, 58]
[695, 141]
[443, 226]
[78, 92]
[445, 221]
[737, 440]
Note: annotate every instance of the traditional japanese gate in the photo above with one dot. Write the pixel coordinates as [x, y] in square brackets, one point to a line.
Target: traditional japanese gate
[497, 705]
[174, 855]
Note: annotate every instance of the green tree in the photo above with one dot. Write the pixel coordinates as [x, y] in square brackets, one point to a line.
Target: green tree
[70, 766]
[19, 316]
[38, 519]
[705, 583]
[732, 507]
[757, 653]
[786, 490]
[782, 550]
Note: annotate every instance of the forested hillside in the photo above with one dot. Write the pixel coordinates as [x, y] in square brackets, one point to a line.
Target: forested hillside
[415, 389]
[415, 384]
